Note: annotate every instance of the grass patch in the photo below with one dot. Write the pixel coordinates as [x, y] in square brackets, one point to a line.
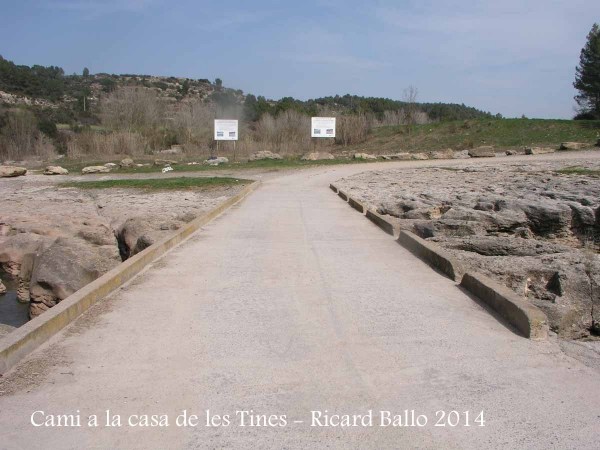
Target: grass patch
[576, 170]
[180, 183]
[461, 135]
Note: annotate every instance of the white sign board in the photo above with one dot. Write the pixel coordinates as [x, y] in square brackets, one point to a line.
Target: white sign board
[323, 127]
[226, 130]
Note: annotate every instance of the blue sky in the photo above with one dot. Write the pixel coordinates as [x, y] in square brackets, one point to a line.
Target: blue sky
[509, 56]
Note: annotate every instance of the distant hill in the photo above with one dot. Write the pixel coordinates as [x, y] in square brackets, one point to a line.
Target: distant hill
[71, 98]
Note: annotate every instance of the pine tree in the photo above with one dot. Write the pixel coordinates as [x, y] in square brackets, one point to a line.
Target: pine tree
[587, 78]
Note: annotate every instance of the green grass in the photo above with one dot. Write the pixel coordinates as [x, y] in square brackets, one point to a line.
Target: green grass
[180, 183]
[575, 170]
[460, 135]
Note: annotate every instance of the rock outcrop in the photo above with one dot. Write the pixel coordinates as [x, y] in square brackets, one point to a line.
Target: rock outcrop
[403, 156]
[574, 145]
[65, 267]
[317, 156]
[264, 154]
[136, 234]
[95, 169]
[12, 171]
[55, 170]
[48, 233]
[126, 162]
[531, 228]
[538, 150]
[486, 151]
[364, 156]
[216, 161]
[442, 154]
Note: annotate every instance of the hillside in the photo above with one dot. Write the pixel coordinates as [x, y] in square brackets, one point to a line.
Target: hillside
[73, 98]
[459, 135]
[44, 112]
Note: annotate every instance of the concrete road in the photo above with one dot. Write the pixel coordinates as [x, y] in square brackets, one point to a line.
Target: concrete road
[289, 303]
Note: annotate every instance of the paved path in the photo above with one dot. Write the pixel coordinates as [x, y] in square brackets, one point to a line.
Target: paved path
[288, 303]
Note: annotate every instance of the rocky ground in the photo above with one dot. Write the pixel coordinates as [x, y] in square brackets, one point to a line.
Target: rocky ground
[523, 223]
[54, 240]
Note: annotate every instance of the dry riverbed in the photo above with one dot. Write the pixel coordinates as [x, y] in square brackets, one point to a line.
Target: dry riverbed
[55, 238]
[533, 226]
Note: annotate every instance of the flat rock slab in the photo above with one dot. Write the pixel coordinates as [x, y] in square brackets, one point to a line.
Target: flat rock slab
[12, 171]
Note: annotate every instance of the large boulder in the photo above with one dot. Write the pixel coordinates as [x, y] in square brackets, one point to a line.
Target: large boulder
[95, 169]
[538, 150]
[56, 170]
[462, 154]
[216, 161]
[64, 268]
[126, 162]
[548, 219]
[574, 145]
[364, 156]
[14, 249]
[12, 171]
[486, 151]
[317, 156]
[264, 154]
[505, 246]
[136, 234]
[442, 154]
[403, 156]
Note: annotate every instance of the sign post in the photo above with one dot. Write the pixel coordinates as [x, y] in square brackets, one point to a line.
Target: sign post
[323, 127]
[226, 130]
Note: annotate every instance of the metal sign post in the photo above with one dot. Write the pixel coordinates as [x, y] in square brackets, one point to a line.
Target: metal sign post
[226, 130]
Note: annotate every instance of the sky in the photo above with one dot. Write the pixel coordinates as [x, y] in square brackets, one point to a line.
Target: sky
[511, 57]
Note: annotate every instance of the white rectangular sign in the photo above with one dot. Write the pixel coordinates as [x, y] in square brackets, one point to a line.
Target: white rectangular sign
[226, 130]
[323, 127]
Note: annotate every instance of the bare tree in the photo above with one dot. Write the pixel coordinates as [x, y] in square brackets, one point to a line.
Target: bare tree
[193, 122]
[132, 109]
[411, 109]
[352, 129]
[20, 137]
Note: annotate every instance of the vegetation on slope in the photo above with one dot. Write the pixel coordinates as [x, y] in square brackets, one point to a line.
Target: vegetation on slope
[501, 133]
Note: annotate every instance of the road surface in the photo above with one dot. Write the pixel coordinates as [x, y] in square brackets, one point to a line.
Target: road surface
[289, 303]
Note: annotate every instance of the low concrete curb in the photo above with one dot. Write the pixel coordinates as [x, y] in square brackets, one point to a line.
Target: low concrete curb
[432, 254]
[343, 195]
[34, 333]
[529, 320]
[378, 220]
[525, 317]
[356, 205]
[333, 188]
